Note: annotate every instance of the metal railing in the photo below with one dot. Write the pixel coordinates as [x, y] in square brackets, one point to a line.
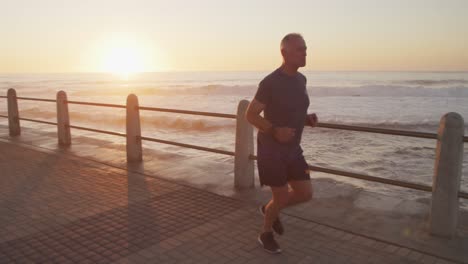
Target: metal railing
[188, 112]
[382, 131]
[405, 184]
[231, 116]
[212, 150]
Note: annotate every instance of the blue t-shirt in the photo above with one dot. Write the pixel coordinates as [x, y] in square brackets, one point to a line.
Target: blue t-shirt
[286, 103]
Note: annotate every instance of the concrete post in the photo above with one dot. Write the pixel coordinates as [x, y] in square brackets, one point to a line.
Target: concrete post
[447, 173]
[243, 166]
[63, 120]
[13, 114]
[134, 149]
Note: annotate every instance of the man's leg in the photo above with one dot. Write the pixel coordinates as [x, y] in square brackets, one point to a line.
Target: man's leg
[301, 191]
[299, 180]
[279, 200]
[273, 208]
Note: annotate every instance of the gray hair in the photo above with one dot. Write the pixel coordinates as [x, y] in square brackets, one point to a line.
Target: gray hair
[288, 37]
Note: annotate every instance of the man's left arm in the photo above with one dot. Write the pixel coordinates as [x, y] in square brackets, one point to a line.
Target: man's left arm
[311, 120]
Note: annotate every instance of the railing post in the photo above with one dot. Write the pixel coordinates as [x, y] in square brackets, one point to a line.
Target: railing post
[243, 165]
[63, 120]
[134, 149]
[447, 173]
[13, 113]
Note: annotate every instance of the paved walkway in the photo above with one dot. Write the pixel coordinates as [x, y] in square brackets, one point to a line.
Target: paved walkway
[59, 208]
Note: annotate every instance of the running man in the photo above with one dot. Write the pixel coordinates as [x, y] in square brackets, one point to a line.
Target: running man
[282, 96]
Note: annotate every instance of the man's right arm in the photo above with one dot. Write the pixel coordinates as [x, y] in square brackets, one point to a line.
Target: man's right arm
[253, 116]
[281, 134]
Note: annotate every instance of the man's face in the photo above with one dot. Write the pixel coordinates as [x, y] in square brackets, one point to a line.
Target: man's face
[295, 52]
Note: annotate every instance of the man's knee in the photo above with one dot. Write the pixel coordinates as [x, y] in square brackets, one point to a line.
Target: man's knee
[280, 196]
[281, 201]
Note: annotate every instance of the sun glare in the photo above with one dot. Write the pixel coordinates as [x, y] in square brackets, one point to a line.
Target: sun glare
[126, 56]
[123, 61]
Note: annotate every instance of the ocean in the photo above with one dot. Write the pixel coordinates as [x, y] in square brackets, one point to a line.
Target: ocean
[412, 101]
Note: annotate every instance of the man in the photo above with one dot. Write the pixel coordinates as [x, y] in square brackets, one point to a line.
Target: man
[283, 97]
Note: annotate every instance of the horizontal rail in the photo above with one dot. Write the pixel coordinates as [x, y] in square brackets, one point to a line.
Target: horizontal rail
[4, 116]
[409, 185]
[379, 130]
[98, 131]
[38, 121]
[37, 99]
[232, 116]
[230, 153]
[188, 112]
[2, 96]
[97, 104]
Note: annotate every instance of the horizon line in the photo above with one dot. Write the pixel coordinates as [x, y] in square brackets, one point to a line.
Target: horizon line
[221, 71]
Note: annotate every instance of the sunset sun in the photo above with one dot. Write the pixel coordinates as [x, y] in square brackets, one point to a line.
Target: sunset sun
[127, 56]
[124, 61]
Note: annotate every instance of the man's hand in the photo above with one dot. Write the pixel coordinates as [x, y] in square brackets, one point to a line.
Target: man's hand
[283, 134]
[312, 120]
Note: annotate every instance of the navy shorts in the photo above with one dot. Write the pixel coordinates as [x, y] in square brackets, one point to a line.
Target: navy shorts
[277, 166]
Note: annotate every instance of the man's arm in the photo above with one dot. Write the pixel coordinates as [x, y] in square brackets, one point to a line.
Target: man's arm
[281, 134]
[253, 116]
[311, 120]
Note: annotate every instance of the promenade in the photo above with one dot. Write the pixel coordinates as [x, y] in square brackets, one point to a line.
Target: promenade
[58, 206]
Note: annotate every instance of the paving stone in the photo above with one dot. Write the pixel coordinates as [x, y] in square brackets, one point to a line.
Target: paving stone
[59, 208]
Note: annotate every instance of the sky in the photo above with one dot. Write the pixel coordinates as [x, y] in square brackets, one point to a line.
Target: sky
[241, 35]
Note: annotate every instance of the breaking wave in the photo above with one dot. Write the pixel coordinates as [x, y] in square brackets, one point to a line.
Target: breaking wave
[200, 124]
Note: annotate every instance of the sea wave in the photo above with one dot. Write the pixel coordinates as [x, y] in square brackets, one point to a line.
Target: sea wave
[202, 124]
[364, 90]
[423, 88]
[249, 90]
[389, 91]
[436, 82]
[116, 121]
